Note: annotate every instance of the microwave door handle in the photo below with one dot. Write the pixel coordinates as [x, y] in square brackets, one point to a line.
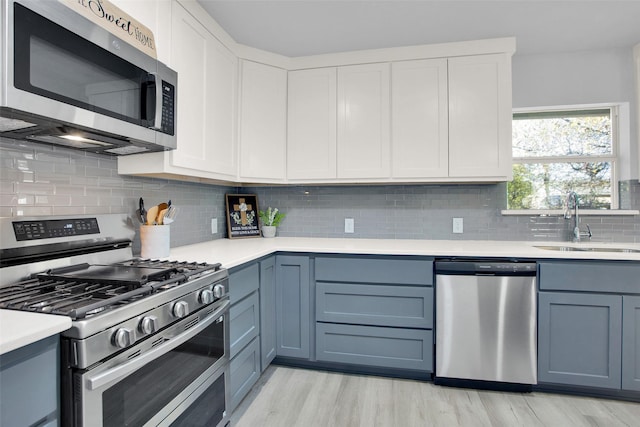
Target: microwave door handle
[157, 118]
[101, 379]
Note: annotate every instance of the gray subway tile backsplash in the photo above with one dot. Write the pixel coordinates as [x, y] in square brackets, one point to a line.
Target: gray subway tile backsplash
[426, 212]
[43, 180]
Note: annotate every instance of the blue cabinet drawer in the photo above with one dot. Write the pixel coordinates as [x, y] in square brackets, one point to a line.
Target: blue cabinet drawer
[245, 323]
[591, 276]
[373, 269]
[399, 306]
[244, 281]
[375, 346]
[244, 371]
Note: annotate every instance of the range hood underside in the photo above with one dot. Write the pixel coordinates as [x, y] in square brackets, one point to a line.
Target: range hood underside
[30, 127]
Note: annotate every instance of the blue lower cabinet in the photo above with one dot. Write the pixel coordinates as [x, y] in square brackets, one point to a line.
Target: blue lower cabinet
[245, 323]
[580, 339]
[244, 371]
[30, 384]
[375, 311]
[268, 341]
[631, 343]
[375, 346]
[244, 314]
[293, 315]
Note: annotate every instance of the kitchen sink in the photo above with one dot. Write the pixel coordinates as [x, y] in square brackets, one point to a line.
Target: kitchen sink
[587, 249]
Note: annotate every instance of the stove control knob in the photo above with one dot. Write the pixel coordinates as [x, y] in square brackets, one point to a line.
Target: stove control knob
[180, 309]
[123, 338]
[218, 291]
[205, 297]
[148, 324]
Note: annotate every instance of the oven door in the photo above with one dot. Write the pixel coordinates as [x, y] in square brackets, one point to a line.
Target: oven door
[176, 367]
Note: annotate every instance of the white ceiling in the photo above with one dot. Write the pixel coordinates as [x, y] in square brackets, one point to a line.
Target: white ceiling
[309, 27]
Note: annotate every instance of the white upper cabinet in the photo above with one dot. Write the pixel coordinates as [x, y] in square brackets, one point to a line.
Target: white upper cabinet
[451, 119]
[419, 119]
[431, 120]
[414, 114]
[363, 122]
[263, 122]
[207, 82]
[480, 117]
[205, 108]
[311, 135]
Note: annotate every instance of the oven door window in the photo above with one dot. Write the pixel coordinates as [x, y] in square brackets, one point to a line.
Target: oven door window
[207, 410]
[56, 63]
[138, 397]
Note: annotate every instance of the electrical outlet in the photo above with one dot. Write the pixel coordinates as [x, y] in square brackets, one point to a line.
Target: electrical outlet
[457, 225]
[214, 225]
[348, 225]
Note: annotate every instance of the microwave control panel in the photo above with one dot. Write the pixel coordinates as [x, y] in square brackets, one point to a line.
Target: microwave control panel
[168, 108]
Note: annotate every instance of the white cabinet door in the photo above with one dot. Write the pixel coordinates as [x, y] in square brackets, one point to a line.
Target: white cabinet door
[311, 135]
[207, 79]
[221, 96]
[480, 116]
[263, 118]
[363, 121]
[419, 119]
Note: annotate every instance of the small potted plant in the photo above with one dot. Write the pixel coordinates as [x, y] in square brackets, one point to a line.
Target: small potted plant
[270, 218]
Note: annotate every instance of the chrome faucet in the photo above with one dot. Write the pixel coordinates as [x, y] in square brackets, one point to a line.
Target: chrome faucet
[572, 196]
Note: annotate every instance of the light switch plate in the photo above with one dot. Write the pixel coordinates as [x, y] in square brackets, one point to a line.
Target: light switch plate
[214, 225]
[348, 225]
[457, 225]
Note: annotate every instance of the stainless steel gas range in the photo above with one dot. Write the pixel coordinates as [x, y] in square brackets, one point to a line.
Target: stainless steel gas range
[149, 342]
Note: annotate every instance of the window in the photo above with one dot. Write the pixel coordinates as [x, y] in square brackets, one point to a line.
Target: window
[555, 152]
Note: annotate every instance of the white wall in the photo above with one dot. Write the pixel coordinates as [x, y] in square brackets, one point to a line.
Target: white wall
[585, 77]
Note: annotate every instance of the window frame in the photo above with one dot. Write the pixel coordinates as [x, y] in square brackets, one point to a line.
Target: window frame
[613, 158]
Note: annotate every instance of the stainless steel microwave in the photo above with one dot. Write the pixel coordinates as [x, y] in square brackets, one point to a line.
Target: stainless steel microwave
[68, 81]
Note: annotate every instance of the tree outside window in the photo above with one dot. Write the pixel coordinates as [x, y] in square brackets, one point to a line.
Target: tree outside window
[560, 151]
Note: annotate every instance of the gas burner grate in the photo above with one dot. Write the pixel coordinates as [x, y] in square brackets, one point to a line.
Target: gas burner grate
[64, 294]
[181, 266]
[75, 299]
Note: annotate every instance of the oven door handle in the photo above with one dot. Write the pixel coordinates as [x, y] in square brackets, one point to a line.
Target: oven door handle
[99, 380]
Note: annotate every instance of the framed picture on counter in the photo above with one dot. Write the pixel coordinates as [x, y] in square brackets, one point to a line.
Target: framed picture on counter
[242, 216]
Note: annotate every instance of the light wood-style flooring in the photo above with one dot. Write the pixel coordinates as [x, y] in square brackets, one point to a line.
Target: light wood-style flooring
[287, 397]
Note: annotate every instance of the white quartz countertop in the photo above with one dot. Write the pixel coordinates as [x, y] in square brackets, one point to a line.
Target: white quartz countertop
[19, 328]
[232, 253]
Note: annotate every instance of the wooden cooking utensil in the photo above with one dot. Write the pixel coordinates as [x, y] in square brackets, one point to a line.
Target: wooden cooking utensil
[152, 215]
[161, 207]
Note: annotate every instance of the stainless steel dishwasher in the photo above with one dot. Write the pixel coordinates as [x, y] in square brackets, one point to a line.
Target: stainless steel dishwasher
[486, 324]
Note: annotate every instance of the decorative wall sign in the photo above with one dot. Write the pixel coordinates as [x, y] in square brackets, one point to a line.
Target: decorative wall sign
[242, 216]
[118, 23]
